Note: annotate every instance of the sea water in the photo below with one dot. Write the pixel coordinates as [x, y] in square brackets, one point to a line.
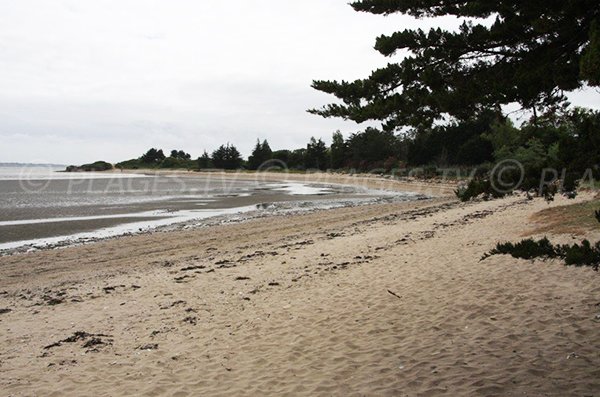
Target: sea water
[41, 206]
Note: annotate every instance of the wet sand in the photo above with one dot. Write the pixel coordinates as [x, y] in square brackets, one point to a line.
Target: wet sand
[127, 204]
[47, 228]
[53, 229]
[375, 300]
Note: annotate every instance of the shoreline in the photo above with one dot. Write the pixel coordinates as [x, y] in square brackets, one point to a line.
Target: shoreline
[433, 187]
[383, 299]
[236, 209]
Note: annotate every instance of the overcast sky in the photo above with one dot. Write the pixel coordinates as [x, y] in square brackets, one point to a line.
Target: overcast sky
[84, 80]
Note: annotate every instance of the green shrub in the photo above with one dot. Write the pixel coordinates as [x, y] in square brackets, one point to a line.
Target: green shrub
[582, 255]
[133, 164]
[526, 249]
[573, 255]
[177, 163]
[93, 167]
[477, 187]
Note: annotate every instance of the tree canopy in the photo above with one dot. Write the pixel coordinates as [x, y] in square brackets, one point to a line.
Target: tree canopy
[338, 150]
[180, 154]
[315, 156]
[153, 156]
[260, 155]
[227, 157]
[506, 51]
[204, 161]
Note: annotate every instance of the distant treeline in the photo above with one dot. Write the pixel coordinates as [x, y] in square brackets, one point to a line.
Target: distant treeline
[560, 140]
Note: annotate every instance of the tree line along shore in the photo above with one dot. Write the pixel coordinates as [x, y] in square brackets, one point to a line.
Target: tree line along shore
[566, 140]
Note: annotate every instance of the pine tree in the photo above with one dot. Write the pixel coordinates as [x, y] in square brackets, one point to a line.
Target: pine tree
[227, 157]
[531, 53]
[153, 157]
[204, 161]
[260, 155]
[316, 154]
[338, 150]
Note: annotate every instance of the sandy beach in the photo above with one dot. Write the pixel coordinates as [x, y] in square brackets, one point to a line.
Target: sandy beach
[377, 300]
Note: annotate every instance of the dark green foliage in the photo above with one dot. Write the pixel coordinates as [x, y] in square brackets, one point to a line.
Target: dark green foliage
[316, 155]
[583, 254]
[152, 157]
[338, 151]
[530, 54]
[260, 155]
[97, 166]
[178, 159]
[227, 157]
[556, 150]
[476, 150]
[132, 164]
[570, 183]
[204, 161]
[526, 249]
[177, 163]
[155, 158]
[476, 187]
[590, 59]
[458, 143]
[292, 159]
[369, 149]
[284, 156]
[579, 147]
[180, 154]
[297, 159]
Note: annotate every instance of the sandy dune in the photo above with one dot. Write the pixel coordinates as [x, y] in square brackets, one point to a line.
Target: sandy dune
[375, 300]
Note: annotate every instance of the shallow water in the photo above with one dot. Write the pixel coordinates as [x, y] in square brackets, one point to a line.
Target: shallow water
[39, 206]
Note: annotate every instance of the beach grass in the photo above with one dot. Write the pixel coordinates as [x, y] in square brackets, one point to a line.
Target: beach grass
[574, 219]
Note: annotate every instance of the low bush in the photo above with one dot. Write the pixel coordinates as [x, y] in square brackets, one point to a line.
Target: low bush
[584, 254]
[478, 187]
[526, 249]
[93, 167]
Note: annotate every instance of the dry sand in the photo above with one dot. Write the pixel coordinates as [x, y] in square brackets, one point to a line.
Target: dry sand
[375, 300]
